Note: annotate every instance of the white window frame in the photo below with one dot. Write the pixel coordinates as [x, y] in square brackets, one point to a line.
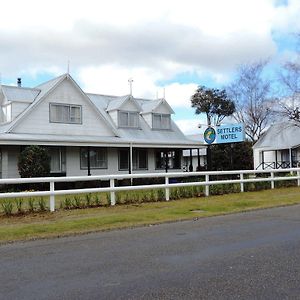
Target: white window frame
[71, 116]
[129, 113]
[161, 116]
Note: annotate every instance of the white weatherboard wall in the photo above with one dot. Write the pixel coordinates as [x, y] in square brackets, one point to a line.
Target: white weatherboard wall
[129, 106]
[73, 163]
[10, 156]
[162, 109]
[66, 92]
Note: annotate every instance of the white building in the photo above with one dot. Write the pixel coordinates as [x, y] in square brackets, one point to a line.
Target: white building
[89, 133]
[279, 147]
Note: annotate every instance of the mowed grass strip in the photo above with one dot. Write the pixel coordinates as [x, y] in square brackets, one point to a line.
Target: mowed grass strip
[69, 222]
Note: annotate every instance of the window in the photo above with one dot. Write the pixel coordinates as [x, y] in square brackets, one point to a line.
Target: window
[128, 119]
[139, 159]
[58, 159]
[65, 113]
[173, 158]
[123, 159]
[98, 158]
[161, 121]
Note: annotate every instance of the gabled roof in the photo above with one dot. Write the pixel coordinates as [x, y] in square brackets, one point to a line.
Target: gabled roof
[116, 104]
[46, 88]
[151, 106]
[283, 135]
[14, 93]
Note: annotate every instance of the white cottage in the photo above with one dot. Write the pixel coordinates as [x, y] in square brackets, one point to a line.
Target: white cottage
[89, 133]
[279, 147]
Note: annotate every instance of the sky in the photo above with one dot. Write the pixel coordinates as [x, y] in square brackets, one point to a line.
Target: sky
[166, 47]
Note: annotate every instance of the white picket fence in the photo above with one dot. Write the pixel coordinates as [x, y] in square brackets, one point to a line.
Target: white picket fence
[204, 179]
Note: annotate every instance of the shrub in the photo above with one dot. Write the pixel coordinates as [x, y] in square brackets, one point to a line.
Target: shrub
[19, 204]
[88, 200]
[160, 195]
[67, 203]
[42, 204]
[77, 202]
[97, 200]
[7, 206]
[31, 203]
[34, 161]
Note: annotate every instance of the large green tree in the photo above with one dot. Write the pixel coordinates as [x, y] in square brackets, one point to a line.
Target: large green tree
[34, 161]
[214, 103]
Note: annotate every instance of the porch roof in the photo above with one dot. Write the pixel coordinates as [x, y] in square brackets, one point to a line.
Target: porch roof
[100, 141]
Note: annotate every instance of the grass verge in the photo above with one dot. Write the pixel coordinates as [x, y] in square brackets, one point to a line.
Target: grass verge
[69, 222]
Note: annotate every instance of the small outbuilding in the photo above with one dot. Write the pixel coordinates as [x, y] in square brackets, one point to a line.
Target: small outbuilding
[279, 147]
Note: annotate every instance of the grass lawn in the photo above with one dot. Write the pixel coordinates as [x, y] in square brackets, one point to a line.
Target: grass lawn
[68, 222]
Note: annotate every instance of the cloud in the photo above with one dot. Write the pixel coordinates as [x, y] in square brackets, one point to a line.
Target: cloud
[111, 79]
[109, 41]
[189, 126]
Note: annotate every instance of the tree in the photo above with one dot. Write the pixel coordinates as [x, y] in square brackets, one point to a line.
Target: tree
[34, 161]
[214, 103]
[289, 79]
[251, 93]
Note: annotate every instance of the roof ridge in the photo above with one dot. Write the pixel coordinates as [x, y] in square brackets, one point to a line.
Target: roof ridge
[48, 81]
[105, 95]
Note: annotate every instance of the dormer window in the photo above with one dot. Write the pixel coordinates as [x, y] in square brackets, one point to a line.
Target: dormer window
[128, 119]
[161, 121]
[65, 113]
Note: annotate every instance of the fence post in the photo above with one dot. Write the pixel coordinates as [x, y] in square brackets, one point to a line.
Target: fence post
[242, 183]
[112, 194]
[167, 190]
[206, 186]
[52, 197]
[298, 180]
[272, 181]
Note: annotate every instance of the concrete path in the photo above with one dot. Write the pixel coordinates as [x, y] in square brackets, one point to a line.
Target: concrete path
[253, 255]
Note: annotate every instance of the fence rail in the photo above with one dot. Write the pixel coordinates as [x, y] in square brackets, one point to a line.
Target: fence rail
[206, 181]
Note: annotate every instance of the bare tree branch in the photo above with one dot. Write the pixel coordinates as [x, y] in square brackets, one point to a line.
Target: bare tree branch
[251, 91]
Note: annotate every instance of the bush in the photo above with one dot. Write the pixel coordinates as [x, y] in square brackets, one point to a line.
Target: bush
[7, 206]
[34, 161]
[31, 202]
[19, 205]
[42, 204]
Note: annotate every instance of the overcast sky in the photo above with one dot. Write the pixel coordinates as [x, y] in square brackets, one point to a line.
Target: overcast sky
[173, 44]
